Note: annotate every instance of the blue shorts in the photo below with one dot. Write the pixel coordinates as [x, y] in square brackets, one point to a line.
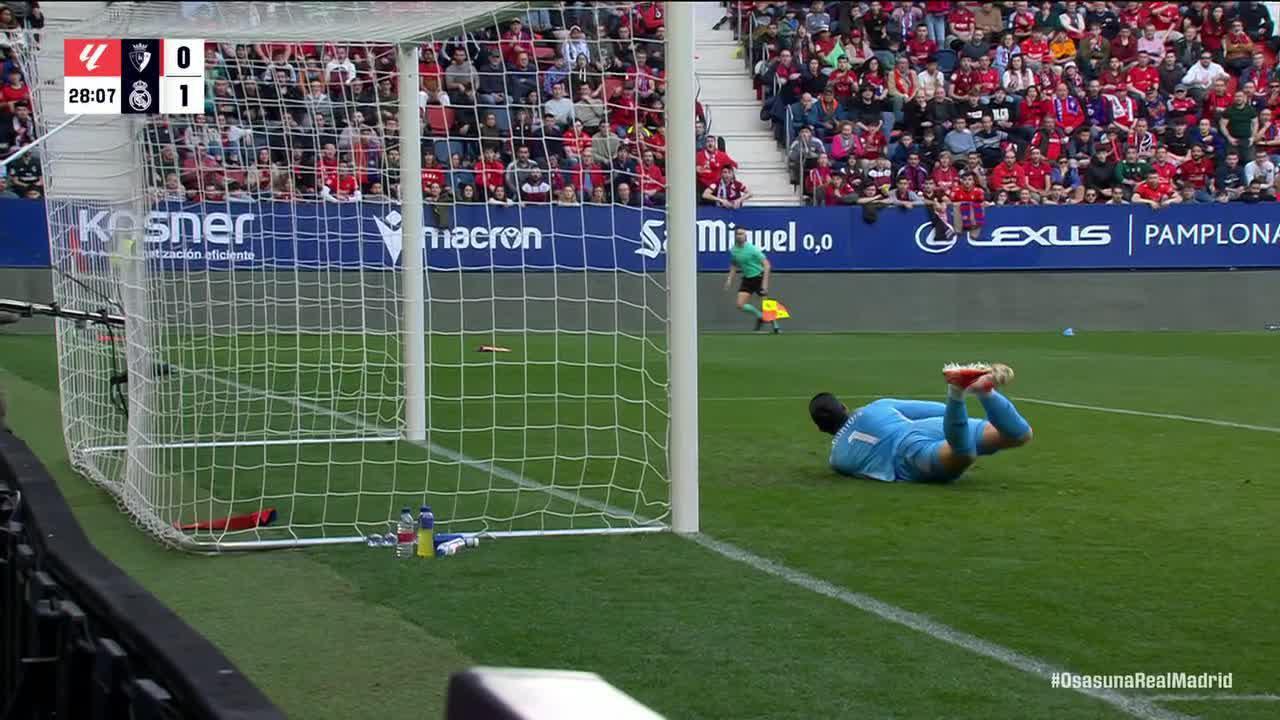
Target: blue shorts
[916, 459]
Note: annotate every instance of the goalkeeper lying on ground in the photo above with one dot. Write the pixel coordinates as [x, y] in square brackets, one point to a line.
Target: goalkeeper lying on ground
[915, 441]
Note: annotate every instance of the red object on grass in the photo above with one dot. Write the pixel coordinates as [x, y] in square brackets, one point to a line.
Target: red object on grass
[234, 522]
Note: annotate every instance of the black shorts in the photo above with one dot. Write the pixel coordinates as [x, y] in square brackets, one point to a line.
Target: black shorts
[752, 285]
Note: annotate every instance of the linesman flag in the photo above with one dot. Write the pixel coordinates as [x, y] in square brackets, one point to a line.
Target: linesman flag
[771, 310]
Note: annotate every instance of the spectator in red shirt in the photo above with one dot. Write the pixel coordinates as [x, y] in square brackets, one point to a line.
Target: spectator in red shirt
[14, 92]
[1035, 50]
[961, 21]
[1037, 172]
[1198, 170]
[1031, 112]
[819, 177]
[577, 144]
[841, 189]
[516, 40]
[649, 18]
[1155, 193]
[986, 78]
[1214, 27]
[970, 213]
[653, 184]
[963, 78]
[1166, 17]
[843, 81]
[710, 161]
[1217, 100]
[920, 47]
[1008, 175]
[1166, 168]
[1182, 105]
[1113, 79]
[341, 186]
[1023, 21]
[1051, 140]
[945, 174]
[490, 172]
[432, 171]
[1142, 77]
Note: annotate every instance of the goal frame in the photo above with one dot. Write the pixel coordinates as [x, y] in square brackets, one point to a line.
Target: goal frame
[681, 277]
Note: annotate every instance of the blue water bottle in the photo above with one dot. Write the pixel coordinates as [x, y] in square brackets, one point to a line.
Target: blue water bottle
[426, 532]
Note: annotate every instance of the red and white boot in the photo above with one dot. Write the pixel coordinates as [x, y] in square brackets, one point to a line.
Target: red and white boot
[977, 377]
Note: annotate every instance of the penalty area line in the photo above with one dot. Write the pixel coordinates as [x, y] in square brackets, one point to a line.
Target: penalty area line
[1133, 705]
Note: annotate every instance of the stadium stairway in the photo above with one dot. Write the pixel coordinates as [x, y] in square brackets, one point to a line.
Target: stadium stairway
[733, 112]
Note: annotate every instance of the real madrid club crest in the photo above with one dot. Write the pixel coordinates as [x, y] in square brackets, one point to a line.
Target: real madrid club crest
[140, 97]
[140, 56]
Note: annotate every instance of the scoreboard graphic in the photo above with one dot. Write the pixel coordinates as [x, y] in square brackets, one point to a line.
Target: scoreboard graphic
[141, 76]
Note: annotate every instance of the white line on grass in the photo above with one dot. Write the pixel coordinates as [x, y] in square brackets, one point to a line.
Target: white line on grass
[1216, 697]
[1041, 401]
[1134, 706]
[1144, 413]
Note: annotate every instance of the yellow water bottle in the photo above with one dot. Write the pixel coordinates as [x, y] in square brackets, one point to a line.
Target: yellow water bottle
[426, 533]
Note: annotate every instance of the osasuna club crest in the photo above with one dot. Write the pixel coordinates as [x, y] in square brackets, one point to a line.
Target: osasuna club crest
[140, 97]
[140, 56]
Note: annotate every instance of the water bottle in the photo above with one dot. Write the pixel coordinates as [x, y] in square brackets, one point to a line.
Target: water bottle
[426, 532]
[406, 530]
[374, 540]
[450, 547]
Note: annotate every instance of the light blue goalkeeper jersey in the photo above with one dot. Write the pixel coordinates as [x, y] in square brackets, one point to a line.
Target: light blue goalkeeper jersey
[892, 440]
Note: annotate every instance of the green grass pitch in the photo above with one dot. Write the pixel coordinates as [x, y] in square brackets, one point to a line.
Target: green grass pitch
[1115, 543]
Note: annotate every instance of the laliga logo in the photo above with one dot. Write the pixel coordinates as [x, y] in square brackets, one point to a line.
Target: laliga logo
[1019, 236]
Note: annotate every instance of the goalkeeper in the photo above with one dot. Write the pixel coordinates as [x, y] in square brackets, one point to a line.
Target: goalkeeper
[755, 268]
[927, 442]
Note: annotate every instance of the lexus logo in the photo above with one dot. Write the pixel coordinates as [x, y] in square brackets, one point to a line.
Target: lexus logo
[927, 240]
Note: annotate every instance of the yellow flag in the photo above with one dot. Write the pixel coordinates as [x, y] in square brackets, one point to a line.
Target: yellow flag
[771, 310]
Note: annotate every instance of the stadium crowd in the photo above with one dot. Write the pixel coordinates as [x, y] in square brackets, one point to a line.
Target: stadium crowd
[563, 105]
[896, 103]
[874, 103]
[23, 177]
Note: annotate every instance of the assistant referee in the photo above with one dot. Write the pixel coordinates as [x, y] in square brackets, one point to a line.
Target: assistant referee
[755, 268]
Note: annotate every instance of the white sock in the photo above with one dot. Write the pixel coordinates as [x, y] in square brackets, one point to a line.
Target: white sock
[955, 393]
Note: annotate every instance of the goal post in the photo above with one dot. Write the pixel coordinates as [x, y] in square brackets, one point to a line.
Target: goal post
[682, 268]
[316, 335]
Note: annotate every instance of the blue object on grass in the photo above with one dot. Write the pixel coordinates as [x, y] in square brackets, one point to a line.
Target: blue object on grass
[1069, 332]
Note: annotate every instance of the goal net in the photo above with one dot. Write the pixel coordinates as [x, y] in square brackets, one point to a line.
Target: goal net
[291, 347]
